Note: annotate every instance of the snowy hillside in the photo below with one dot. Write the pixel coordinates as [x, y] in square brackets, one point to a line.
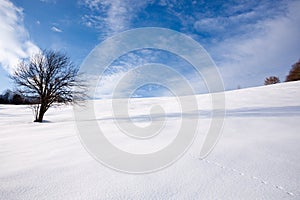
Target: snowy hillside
[257, 157]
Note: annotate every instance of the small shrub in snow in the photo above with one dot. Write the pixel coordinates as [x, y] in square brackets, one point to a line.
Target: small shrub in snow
[271, 80]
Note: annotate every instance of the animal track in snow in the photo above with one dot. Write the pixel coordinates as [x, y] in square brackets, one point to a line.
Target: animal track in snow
[262, 181]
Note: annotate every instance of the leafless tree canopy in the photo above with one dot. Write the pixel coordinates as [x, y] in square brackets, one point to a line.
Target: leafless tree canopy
[294, 74]
[48, 77]
[271, 80]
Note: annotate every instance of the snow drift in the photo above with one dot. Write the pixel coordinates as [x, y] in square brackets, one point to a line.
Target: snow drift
[257, 157]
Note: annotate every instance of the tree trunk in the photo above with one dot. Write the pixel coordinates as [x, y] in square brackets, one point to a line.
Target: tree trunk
[40, 115]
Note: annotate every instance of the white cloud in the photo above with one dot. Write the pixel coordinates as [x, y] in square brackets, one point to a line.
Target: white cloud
[111, 16]
[269, 50]
[55, 29]
[210, 24]
[128, 65]
[249, 40]
[49, 1]
[15, 40]
[108, 83]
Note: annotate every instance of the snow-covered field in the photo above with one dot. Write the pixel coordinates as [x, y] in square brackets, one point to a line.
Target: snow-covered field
[257, 157]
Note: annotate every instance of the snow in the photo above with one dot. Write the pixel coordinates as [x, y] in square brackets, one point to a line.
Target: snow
[257, 157]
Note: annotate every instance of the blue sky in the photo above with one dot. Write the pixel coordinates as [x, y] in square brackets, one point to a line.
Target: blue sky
[248, 40]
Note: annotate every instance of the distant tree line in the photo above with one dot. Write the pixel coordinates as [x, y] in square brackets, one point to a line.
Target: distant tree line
[294, 75]
[10, 97]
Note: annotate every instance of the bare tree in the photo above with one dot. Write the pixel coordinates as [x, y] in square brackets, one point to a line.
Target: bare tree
[272, 80]
[294, 74]
[48, 77]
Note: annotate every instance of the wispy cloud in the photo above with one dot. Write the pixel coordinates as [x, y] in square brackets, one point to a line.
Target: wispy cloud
[55, 29]
[15, 41]
[111, 16]
[269, 47]
[249, 40]
[48, 1]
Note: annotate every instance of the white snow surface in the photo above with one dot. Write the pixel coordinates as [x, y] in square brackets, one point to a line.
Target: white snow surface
[257, 156]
